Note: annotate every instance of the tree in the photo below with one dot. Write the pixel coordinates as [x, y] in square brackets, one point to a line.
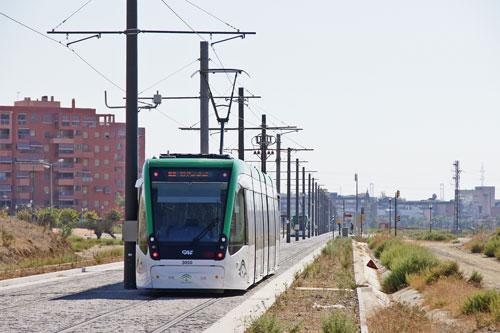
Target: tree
[112, 217]
[93, 222]
[67, 221]
[24, 215]
[47, 217]
[119, 200]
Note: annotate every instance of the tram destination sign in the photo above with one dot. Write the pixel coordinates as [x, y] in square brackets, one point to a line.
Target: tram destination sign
[190, 174]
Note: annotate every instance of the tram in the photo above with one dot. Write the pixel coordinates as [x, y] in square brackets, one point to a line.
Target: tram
[302, 221]
[205, 222]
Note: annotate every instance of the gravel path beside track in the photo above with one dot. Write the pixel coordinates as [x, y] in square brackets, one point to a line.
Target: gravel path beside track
[97, 302]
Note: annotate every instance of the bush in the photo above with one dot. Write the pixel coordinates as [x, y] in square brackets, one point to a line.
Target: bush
[266, 324]
[497, 254]
[338, 321]
[491, 246]
[382, 246]
[67, 221]
[475, 278]
[24, 215]
[7, 238]
[438, 236]
[4, 214]
[477, 247]
[445, 269]
[48, 217]
[481, 301]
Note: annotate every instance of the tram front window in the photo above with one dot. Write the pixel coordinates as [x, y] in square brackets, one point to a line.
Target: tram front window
[188, 211]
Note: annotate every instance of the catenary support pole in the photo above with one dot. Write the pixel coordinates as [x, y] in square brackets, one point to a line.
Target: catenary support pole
[313, 208]
[204, 123]
[263, 146]
[303, 221]
[309, 207]
[288, 194]
[241, 124]
[278, 163]
[297, 225]
[131, 141]
[395, 215]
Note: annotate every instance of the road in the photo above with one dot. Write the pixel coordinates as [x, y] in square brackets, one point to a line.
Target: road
[488, 267]
[96, 301]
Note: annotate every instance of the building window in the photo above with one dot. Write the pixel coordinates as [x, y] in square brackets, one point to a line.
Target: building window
[65, 120]
[3, 176]
[77, 133]
[46, 148]
[96, 204]
[97, 134]
[118, 170]
[33, 118]
[46, 176]
[76, 120]
[106, 135]
[107, 189]
[23, 133]
[106, 203]
[47, 119]
[85, 162]
[85, 148]
[118, 146]
[4, 146]
[106, 148]
[32, 133]
[21, 119]
[97, 162]
[47, 134]
[85, 135]
[5, 119]
[106, 176]
[106, 162]
[97, 149]
[22, 174]
[85, 189]
[85, 203]
[46, 190]
[97, 175]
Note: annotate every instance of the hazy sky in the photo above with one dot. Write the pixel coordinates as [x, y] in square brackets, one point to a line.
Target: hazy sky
[393, 90]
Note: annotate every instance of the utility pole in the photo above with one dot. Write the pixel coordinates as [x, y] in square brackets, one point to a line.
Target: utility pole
[278, 163]
[288, 194]
[241, 124]
[263, 145]
[129, 281]
[309, 207]
[396, 213]
[356, 215]
[297, 191]
[318, 203]
[204, 122]
[390, 215]
[456, 219]
[303, 220]
[313, 208]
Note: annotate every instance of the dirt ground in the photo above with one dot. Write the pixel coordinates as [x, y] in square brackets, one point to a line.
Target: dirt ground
[488, 267]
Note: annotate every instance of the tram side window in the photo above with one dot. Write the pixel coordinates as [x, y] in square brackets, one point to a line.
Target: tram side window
[237, 236]
[142, 232]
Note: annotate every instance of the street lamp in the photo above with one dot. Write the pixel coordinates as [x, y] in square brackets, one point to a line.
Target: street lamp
[430, 217]
[356, 215]
[50, 166]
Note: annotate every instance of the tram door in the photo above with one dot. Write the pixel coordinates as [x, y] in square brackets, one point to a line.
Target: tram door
[265, 213]
[259, 249]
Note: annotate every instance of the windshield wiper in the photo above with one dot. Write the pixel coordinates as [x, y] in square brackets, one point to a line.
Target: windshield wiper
[205, 231]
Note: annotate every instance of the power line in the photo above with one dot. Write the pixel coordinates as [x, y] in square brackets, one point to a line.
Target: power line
[183, 21]
[64, 21]
[66, 47]
[210, 14]
[168, 76]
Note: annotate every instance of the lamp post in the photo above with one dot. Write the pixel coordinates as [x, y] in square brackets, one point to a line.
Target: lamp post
[356, 215]
[430, 217]
[50, 166]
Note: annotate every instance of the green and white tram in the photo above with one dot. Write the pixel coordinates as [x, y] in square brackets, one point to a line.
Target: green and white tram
[205, 222]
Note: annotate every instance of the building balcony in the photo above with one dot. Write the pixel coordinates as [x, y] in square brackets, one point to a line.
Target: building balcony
[63, 165]
[24, 181]
[65, 182]
[86, 154]
[25, 195]
[5, 152]
[66, 154]
[62, 140]
[30, 167]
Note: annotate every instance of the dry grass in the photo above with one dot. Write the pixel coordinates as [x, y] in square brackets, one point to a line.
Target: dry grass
[304, 310]
[399, 318]
[448, 294]
[479, 238]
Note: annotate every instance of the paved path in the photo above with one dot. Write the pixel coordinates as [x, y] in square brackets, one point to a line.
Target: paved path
[488, 267]
[96, 301]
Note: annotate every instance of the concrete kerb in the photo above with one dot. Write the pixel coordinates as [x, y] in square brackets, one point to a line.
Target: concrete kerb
[53, 276]
[238, 319]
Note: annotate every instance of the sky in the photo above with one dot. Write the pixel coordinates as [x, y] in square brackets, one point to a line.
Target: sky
[395, 91]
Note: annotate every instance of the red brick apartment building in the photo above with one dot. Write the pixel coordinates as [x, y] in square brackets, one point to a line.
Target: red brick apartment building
[84, 151]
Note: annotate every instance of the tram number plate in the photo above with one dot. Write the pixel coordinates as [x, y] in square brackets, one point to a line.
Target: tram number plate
[187, 262]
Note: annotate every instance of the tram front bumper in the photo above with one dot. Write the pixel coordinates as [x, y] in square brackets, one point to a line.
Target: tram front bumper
[187, 277]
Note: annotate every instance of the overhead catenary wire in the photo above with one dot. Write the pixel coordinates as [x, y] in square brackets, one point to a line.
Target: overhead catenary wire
[212, 15]
[168, 76]
[64, 21]
[183, 21]
[66, 47]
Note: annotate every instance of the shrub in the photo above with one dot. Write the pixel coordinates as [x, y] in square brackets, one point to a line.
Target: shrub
[497, 254]
[338, 321]
[475, 278]
[445, 269]
[386, 243]
[491, 246]
[48, 217]
[4, 214]
[24, 215]
[7, 238]
[481, 301]
[477, 247]
[67, 221]
[266, 323]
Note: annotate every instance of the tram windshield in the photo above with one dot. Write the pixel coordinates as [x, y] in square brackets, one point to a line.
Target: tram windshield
[189, 208]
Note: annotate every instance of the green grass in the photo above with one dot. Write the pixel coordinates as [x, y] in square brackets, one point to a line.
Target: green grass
[101, 255]
[339, 321]
[475, 278]
[80, 243]
[491, 246]
[481, 301]
[266, 324]
[32, 263]
[477, 247]
[404, 260]
[438, 236]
